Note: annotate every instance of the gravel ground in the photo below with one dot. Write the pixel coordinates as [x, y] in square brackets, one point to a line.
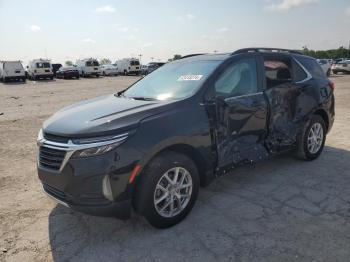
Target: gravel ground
[278, 210]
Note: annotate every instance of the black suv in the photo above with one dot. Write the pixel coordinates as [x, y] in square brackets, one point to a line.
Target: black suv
[151, 146]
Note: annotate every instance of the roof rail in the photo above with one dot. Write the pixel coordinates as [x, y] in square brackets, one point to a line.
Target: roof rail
[186, 56]
[265, 49]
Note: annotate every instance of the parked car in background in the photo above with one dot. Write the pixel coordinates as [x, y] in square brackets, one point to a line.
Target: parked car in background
[128, 66]
[39, 69]
[143, 70]
[151, 146]
[325, 65]
[67, 72]
[12, 70]
[341, 67]
[150, 67]
[109, 70]
[55, 67]
[88, 67]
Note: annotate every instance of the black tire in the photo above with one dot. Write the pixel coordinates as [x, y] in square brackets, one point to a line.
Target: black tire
[4, 80]
[303, 151]
[125, 72]
[146, 186]
[335, 72]
[104, 73]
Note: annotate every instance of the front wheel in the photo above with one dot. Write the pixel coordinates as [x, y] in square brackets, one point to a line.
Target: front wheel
[335, 72]
[312, 141]
[167, 190]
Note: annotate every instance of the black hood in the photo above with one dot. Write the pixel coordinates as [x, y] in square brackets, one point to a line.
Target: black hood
[101, 116]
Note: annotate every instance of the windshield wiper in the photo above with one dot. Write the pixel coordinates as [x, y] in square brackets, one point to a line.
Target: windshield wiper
[143, 98]
[120, 93]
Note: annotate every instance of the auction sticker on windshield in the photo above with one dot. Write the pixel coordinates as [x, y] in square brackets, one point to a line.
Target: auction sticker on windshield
[190, 78]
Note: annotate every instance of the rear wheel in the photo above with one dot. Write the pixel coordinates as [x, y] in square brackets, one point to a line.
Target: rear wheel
[167, 190]
[311, 144]
[335, 72]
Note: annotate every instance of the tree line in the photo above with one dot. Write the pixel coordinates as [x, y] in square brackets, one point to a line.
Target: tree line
[340, 52]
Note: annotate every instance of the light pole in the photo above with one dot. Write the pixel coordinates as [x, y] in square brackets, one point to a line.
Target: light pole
[140, 55]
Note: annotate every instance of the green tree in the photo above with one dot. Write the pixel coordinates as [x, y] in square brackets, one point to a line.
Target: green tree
[68, 63]
[105, 61]
[340, 52]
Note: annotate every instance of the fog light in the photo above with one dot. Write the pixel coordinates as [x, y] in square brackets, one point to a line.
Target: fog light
[106, 188]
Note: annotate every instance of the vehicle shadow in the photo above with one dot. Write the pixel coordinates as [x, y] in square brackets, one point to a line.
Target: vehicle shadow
[14, 83]
[42, 80]
[279, 204]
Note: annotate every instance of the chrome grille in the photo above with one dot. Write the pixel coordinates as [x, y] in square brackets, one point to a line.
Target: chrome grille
[51, 158]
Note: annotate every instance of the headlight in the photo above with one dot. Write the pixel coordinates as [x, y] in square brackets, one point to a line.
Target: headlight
[97, 146]
[95, 151]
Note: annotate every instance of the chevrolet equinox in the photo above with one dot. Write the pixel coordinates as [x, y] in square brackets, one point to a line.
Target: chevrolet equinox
[150, 147]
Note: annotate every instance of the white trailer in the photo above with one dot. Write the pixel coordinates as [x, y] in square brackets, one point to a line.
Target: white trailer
[129, 66]
[12, 70]
[39, 68]
[88, 67]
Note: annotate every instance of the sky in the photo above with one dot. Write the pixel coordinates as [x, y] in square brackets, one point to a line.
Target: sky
[64, 30]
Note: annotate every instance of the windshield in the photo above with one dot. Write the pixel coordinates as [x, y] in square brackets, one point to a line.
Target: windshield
[43, 65]
[92, 63]
[133, 63]
[173, 81]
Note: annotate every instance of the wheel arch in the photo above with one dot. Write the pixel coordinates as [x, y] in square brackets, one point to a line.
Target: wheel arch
[187, 150]
[322, 113]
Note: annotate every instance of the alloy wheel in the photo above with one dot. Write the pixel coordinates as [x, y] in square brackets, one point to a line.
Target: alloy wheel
[173, 192]
[315, 138]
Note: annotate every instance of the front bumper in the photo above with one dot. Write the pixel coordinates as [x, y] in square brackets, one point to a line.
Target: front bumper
[71, 74]
[96, 185]
[43, 75]
[121, 210]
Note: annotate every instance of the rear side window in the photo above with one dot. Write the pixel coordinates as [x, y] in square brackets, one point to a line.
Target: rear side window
[278, 71]
[312, 66]
[299, 73]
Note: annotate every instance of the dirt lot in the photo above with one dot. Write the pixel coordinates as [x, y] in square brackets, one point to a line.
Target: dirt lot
[279, 210]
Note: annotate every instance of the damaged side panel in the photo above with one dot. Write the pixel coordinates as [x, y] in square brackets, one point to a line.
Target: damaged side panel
[251, 127]
[241, 127]
[290, 107]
